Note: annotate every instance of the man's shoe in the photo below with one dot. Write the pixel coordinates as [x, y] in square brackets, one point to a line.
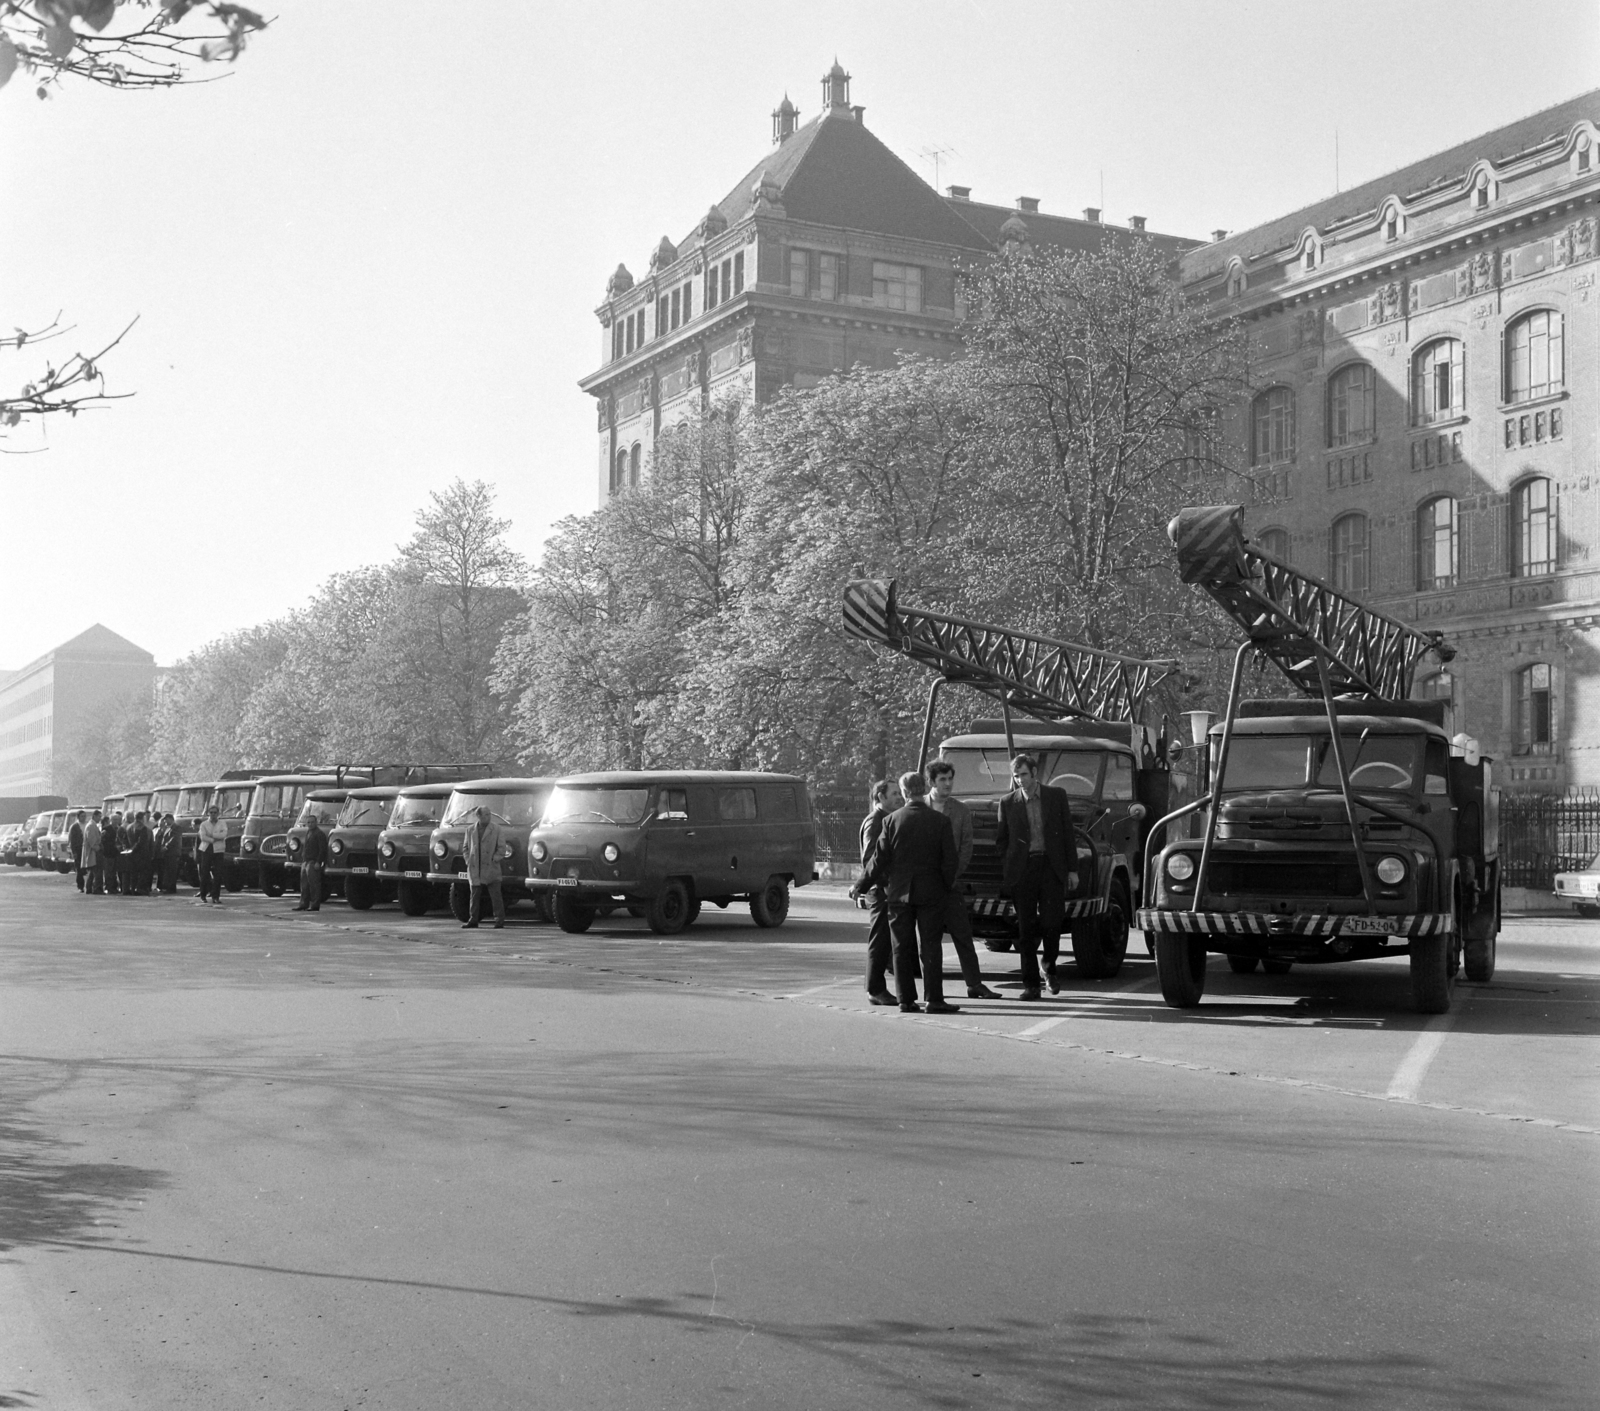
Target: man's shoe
[981, 992]
[1053, 980]
[882, 997]
[1029, 992]
[940, 1007]
[912, 1008]
[469, 925]
[499, 926]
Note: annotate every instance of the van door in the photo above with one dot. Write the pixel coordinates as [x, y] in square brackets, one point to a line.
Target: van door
[743, 852]
[672, 844]
[783, 833]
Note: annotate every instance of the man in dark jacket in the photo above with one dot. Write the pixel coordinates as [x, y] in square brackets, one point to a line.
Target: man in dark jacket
[169, 852]
[1034, 840]
[313, 858]
[111, 853]
[138, 857]
[880, 947]
[915, 864]
[75, 842]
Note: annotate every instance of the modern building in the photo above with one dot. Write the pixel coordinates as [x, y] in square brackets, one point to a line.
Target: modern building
[1425, 353]
[830, 252]
[47, 708]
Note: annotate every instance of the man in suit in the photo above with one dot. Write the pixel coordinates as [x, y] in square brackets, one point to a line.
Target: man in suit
[882, 801]
[915, 864]
[942, 797]
[1035, 843]
[75, 842]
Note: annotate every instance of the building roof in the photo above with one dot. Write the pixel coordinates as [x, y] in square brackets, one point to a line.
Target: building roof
[1409, 182]
[97, 644]
[1063, 232]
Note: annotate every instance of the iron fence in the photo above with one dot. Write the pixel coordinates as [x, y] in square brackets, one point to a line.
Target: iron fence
[838, 838]
[1543, 834]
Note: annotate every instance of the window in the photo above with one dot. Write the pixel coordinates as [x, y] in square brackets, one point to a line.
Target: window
[827, 277]
[1438, 390]
[1437, 547]
[688, 302]
[1272, 427]
[662, 316]
[1274, 542]
[628, 324]
[1308, 261]
[675, 310]
[799, 273]
[738, 273]
[778, 805]
[1441, 686]
[1480, 192]
[1534, 362]
[616, 339]
[1535, 731]
[736, 805]
[897, 286]
[727, 280]
[1349, 555]
[673, 806]
[1236, 280]
[1352, 405]
[1534, 547]
[1391, 226]
[619, 471]
[712, 299]
[634, 460]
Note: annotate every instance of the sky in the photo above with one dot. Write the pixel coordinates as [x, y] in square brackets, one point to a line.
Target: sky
[367, 260]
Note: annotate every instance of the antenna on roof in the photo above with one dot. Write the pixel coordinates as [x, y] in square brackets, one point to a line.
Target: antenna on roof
[936, 155]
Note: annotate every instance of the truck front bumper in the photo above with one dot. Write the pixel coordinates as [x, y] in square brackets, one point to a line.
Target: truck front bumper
[1272, 926]
[1004, 909]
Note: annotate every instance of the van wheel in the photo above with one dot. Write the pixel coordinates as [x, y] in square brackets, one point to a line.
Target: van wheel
[232, 882]
[770, 906]
[541, 908]
[461, 901]
[272, 889]
[572, 915]
[634, 909]
[1587, 908]
[415, 898]
[1181, 966]
[668, 912]
[1243, 964]
[694, 911]
[360, 893]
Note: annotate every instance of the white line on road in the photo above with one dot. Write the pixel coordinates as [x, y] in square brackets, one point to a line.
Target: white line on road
[818, 989]
[1043, 1025]
[1407, 1080]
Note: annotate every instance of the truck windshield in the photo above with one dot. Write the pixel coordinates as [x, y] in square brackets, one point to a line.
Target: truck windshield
[596, 805]
[370, 812]
[517, 810]
[163, 801]
[1376, 762]
[269, 799]
[408, 813]
[988, 771]
[192, 802]
[232, 803]
[325, 811]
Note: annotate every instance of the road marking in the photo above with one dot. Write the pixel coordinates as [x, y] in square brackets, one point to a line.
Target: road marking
[1407, 1080]
[1043, 1025]
[818, 989]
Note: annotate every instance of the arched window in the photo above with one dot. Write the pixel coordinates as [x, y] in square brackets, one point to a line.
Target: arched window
[619, 471]
[1272, 427]
[1275, 542]
[1441, 686]
[1352, 405]
[1438, 387]
[1535, 364]
[1533, 529]
[1438, 552]
[1348, 558]
[1535, 725]
[634, 461]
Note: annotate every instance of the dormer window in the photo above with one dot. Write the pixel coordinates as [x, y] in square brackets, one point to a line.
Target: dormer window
[1308, 261]
[1236, 280]
[1480, 192]
[1391, 227]
[1585, 153]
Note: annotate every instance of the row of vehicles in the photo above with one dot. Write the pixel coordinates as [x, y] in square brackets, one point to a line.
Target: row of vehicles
[661, 844]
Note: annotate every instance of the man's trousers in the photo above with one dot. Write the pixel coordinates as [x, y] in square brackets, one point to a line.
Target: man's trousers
[1041, 908]
[918, 926]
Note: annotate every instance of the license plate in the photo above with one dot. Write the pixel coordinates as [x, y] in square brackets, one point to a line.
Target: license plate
[362, 871]
[566, 881]
[411, 874]
[1368, 926]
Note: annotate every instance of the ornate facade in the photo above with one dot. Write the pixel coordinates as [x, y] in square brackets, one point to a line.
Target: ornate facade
[1425, 357]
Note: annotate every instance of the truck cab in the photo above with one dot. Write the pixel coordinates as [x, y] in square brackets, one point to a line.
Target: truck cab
[275, 803]
[231, 798]
[193, 800]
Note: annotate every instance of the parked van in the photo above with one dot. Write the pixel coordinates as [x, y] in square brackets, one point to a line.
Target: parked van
[668, 841]
[353, 845]
[55, 853]
[162, 802]
[275, 804]
[134, 803]
[516, 804]
[403, 859]
[232, 798]
[193, 801]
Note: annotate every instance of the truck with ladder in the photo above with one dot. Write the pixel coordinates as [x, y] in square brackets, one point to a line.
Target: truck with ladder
[1344, 823]
[1085, 710]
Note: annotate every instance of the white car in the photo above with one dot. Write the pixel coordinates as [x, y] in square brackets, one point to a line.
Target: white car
[1582, 889]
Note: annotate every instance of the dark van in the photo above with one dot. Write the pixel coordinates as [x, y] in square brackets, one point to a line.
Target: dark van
[353, 845]
[517, 804]
[667, 841]
[231, 798]
[403, 848]
[324, 805]
[275, 804]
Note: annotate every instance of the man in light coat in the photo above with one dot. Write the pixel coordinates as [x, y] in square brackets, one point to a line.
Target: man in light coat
[482, 848]
[91, 855]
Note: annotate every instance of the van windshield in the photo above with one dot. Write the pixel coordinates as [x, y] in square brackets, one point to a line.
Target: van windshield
[585, 804]
[517, 810]
[192, 802]
[410, 812]
[988, 771]
[370, 812]
[325, 811]
[1383, 763]
[232, 803]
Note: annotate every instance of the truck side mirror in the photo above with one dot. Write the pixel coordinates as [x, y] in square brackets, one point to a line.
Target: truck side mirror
[1137, 812]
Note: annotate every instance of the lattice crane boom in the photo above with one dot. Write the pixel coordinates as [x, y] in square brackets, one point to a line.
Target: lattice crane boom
[1292, 618]
[1046, 678]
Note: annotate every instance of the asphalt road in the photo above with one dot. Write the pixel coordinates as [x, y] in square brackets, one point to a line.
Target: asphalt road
[250, 1158]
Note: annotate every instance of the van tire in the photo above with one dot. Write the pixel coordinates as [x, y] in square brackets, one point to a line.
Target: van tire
[668, 910]
[770, 906]
[572, 915]
[1181, 966]
[694, 911]
[1243, 964]
[360, 893]
[542, 909]
[461, 901]
[272, 889]
[415, 897]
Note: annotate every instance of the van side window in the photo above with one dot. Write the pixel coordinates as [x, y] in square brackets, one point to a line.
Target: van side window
[778, 806]
[674, 806]
[736, 805]
[1119, 778]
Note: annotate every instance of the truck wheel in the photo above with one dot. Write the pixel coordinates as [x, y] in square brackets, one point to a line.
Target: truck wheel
[634, 909]
[1100, 942]
[1480, 959]
[1587, 908]
[668, 910]
[1242, 964]
[415, 897]
[358, 891]
[1181, 966]
[232, 881]
[770, 906]
[572, 915]
[461, 901]
[1276, 967]
[1433, 971]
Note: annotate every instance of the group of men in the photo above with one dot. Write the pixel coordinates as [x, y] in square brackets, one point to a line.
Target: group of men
[912, 861]
[125, 856]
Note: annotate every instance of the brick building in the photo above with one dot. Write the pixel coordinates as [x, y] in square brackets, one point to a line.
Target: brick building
[830, 252]
[47, 706]
[1425, 355]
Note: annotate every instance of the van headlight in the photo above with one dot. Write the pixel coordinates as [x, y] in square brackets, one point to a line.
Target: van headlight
[610, 853]
[336, 846]
[1180, 866]
[439, 849]
[538, 852]
[248, 845]
[1391, 871]
[387, 849]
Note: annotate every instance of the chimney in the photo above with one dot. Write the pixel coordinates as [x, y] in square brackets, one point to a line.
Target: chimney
[959, 193]
[860, 112]
[1028, 205]
[1137, 222]
[1092, 214]
[1218, 236]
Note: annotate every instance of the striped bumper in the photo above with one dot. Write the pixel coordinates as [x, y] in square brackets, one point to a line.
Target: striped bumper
[1257, 923]
[1004, 909]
